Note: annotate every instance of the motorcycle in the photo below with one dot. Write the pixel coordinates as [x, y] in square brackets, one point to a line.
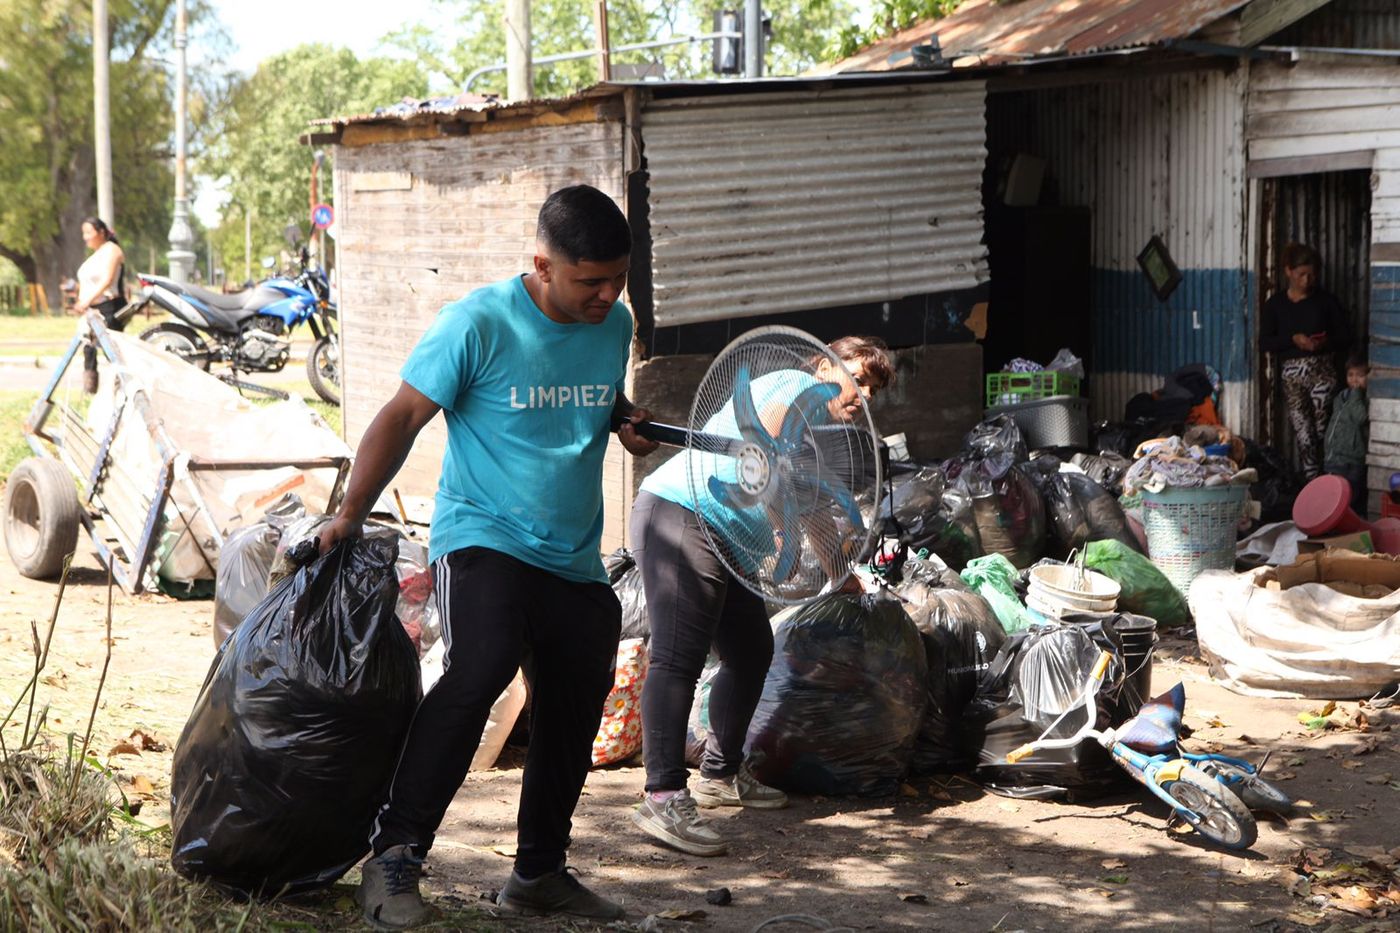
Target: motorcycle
[251, 330]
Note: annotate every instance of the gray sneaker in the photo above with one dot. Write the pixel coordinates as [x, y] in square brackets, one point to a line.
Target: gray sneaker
[676, 823]
[739, 790]
[556, 893]
[388, 891]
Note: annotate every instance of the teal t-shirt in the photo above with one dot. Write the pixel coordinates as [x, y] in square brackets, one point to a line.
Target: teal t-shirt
[528, 403]
[748, 530]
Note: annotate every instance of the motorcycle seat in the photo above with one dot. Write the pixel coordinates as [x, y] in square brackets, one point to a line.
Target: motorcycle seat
[206, 297]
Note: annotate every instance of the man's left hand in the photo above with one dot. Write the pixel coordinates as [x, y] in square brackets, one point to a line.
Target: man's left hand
[635, 444]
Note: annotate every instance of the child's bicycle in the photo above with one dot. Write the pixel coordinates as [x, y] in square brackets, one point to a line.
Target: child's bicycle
[1212, 793]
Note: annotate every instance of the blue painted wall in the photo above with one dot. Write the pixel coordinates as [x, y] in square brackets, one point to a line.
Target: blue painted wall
[1136, 333]
[1385, 329]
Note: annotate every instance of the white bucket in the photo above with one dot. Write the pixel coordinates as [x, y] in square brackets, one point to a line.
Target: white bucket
[1057, 589]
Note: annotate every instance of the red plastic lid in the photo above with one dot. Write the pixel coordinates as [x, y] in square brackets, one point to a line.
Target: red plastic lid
[1323, 508]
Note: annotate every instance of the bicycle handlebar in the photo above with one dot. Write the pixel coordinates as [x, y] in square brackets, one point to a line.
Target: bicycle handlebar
[1087, 700]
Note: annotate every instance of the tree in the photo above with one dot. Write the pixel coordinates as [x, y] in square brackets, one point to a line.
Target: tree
[803, 31]
[47, 164]
[258, 148]
[890, 17]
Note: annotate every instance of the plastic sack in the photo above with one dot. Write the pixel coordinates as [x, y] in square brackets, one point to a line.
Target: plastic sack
[620, 731]
[994, 579]
[1080, 510]
[925, 513]
[245, 562]
[697, 729]
[1306, 641]
[1145, 590]
[295, 533]
[289, 750]
[843, 699]
[414, 604]
[1066, 362]
[626, 579]
[1035, 677]
[1106, 468]
[961, 635]
[1006, 506]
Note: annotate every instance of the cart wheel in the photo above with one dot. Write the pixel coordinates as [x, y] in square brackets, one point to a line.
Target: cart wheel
[41, 517]
[1225, 820]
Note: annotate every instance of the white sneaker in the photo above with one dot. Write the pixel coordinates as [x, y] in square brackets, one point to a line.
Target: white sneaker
[676, 823]
[741, 789]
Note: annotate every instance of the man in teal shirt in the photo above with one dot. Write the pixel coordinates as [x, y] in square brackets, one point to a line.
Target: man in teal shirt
[528, 374]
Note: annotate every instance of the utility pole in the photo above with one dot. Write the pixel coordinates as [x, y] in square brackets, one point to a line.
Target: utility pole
[181, 256]
[247, 245]
[753, 38]
[102, 110]
[520, 83]
[600, 19]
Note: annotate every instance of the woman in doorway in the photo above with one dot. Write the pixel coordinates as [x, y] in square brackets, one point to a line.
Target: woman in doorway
[100, 275]
[1305, 328]
[693, 603]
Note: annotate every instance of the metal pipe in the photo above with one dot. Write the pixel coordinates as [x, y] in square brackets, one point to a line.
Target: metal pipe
[753, 38]
[1294, 51]
[591, 53]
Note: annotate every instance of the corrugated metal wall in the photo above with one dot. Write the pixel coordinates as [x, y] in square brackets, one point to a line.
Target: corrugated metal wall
[1165, 156]
[1347, 24]
[769, 203]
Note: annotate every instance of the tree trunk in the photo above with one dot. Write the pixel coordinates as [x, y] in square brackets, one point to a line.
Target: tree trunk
[59, 257]
[24, 261]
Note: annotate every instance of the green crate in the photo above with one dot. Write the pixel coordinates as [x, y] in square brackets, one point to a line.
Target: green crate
[1012, 388]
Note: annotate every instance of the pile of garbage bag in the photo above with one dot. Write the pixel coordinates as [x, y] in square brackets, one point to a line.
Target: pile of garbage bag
[1006, 506]
[924, 512]
[1080, 510]
[287, 755]
[844, 698]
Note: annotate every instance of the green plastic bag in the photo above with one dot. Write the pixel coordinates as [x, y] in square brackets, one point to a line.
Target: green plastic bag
[1146, 590]
[993, 577]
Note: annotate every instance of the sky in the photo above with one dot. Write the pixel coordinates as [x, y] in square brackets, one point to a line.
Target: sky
[260, 28]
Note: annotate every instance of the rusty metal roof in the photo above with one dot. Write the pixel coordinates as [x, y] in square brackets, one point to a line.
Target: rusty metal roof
[990, 32]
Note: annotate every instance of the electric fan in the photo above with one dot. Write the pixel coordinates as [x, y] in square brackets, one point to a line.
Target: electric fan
[783, 463]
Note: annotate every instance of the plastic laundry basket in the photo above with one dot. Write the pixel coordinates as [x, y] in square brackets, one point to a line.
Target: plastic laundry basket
[1192, 529]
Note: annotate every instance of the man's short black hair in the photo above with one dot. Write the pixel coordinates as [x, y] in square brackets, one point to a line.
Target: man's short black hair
[583, 224]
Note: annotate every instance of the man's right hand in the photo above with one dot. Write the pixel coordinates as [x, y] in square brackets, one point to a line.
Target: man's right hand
[337, 529]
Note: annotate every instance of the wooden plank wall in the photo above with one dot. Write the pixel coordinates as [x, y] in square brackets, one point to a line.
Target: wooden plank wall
[422, 223]
[1322, 115]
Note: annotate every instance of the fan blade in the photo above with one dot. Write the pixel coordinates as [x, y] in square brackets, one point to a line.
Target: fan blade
[792, 541]
[746, 413]
[807, 486]
[807, 408]
[730, 495]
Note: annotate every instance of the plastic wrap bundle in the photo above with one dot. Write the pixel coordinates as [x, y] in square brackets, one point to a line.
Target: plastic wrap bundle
[626, 579]
[1145, 589]
[415, 603]
[303, 529]
[288, 752]
[961, 635]
[1035, 677]
[1006, 506]
[843, 700]
[1080, 510]
[925, 513]
[245, 562]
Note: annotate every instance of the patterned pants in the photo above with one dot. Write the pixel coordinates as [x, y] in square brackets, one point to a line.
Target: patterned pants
[1308, 385]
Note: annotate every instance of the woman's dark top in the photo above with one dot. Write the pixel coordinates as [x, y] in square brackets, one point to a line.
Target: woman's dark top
[1319, 313]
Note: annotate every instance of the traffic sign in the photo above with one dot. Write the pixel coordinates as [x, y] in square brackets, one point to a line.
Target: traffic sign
[322, 216]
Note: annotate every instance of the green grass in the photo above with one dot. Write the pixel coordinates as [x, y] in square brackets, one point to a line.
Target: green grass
[14, 409]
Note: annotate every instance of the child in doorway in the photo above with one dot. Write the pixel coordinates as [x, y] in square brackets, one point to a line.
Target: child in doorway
[1345, 443]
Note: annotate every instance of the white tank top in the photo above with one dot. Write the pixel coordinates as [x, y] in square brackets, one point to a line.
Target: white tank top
[93, 271]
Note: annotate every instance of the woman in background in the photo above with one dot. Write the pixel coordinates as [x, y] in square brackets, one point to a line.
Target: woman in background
[1305, 328]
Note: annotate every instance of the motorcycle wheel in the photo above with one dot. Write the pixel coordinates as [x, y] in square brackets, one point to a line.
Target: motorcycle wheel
[181, 340]
[323, 369]
[1225, 820]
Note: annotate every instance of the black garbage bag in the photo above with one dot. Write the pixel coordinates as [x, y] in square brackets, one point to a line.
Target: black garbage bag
[924, 512]
[1278, 484]
[1079, 509]
[288, 752]
[1006, 506]
[1105, 468]
[1036, 676]
[843, 699]
[627, 584]
[245, 562]
[961, 636]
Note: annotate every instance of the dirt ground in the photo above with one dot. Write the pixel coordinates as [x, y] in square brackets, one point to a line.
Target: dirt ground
[939, 856]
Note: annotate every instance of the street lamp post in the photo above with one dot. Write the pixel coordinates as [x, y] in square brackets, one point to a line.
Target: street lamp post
[181, 254]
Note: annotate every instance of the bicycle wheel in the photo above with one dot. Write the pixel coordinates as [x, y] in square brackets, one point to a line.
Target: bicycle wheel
[1225, 820]
[1255, 792]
